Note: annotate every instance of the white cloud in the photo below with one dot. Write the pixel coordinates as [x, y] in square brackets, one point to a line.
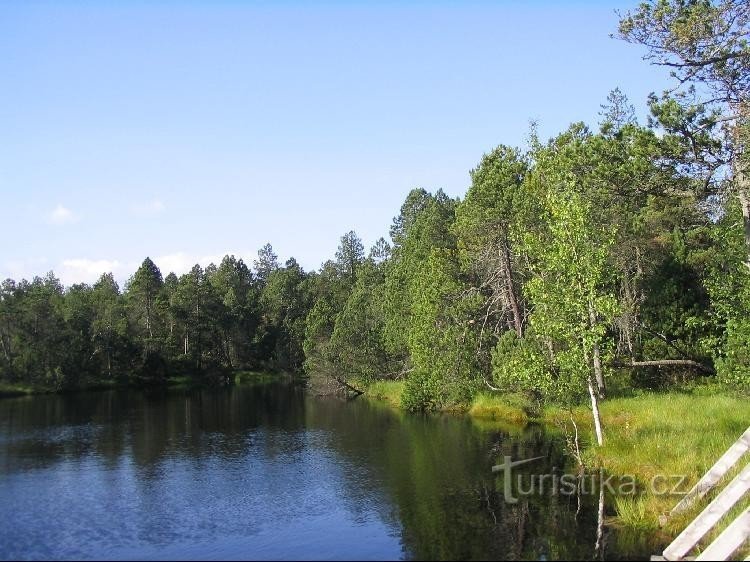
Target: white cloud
[182, 262]
[149, 208]
[81, 270]
[86, 270]
[69, 271]
[25, 269]
[62, 215]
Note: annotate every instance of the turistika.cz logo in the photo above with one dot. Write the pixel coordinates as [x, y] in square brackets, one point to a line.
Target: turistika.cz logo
[517, 484]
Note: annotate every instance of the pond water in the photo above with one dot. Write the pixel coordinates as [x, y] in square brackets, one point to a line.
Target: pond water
[269, 471]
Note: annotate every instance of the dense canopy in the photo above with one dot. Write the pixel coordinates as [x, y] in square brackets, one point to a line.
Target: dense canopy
[606, 257]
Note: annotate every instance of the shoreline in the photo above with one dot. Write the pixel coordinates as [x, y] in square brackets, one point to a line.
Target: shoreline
[16, 390]
[649, 436]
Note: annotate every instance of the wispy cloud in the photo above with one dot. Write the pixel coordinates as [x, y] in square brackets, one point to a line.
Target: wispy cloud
[82, 270]
[62, 215]
[148, 208]
[182, 262]
[25, 268]
[86, 270]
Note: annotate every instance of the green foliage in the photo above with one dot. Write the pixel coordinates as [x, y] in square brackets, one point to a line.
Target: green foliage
[350, 255]
[201, 325]
[617, 113]
[441, 342]
[520, 365]
[492, 202]
[588, 253]
[356, 344]
[569, 287]
[285, 305]
[727, 280]
[703, 42]
[734, 366]
[424, 224]
[318, 330]
[266, 263]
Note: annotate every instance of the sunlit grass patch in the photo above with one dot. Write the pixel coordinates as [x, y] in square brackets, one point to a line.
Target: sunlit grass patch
[509, 408]
[671, 436]
[633, 512]
[245, 377]
[386, 391]
[17, 389]
[671, 433]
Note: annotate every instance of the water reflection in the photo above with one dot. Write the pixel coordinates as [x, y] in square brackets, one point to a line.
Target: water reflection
[264, 471]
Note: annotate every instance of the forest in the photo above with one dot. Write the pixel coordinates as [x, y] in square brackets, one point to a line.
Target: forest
[612, 256]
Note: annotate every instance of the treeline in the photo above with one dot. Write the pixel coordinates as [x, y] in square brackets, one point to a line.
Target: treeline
[583, 256]
[204, 323]
[621, 250]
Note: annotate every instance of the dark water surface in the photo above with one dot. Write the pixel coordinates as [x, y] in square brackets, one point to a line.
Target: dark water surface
[267, 471]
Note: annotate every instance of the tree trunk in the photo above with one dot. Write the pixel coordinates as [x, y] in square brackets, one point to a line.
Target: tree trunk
[744, 195]
[510, 287]
[599, 521]
[597, 356]
[6, 347]
[742, 168]
[148, 318]
[595, 412]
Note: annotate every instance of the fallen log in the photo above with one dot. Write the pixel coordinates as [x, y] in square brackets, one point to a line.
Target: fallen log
[667, 363]
[349, 387]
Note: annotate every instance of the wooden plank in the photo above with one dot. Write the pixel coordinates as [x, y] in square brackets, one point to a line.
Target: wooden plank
[729, 540]
[694, 532]
[715, 473]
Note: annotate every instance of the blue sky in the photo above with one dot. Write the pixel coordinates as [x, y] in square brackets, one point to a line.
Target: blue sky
[184, 131]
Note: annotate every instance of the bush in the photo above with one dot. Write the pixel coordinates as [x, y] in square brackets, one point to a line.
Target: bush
[734, 368]
[153, 368]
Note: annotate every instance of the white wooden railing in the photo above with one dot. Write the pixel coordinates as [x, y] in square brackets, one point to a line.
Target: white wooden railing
[732, 538]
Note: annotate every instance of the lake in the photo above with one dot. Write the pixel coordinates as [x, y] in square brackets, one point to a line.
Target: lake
[268, 471]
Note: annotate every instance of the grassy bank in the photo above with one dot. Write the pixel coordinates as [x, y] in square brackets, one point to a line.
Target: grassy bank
[253, 377]
[509, 409]
[14, 389]
[386, 391]
[8, 390]
[647, 436]
[666, 434]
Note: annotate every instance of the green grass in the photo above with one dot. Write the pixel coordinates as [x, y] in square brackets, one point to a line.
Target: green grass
[680, 433]
[180, 381]
[245, 377]
[508, 408]
[666, 434]
[632, 513]
[646, 435]
[8, 389]
[386, 391]
[15, 389]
